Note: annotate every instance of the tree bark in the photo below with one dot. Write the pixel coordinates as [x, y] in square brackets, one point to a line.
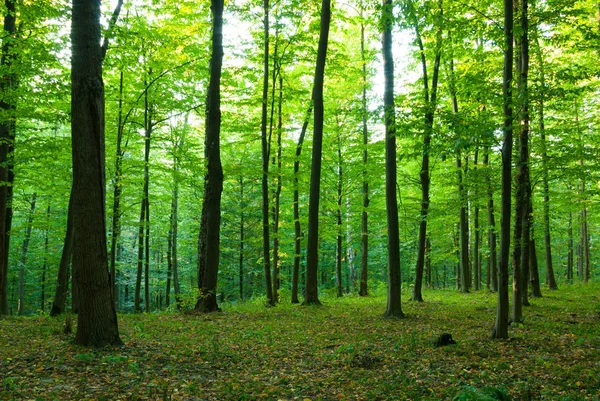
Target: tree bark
[570, 254]
[492, 265]
[394, 304]
[277, 195]
[209, 238]
[7, 134]
[339, 239]
[62, 282]
[242, 237]
[311, 293]
[463, 230]
[23, 261]
[364, 261]
[500, 329]
[97, 318]
[45, 263]
[476, 236]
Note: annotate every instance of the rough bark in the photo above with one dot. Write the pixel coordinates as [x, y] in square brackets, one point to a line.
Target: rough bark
[500, 329]
[97, 318]
[209, 238]
[7, 134]
[311, 293]
[394, 304]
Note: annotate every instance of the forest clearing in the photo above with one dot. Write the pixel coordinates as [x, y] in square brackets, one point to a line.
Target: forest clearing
[343, 350]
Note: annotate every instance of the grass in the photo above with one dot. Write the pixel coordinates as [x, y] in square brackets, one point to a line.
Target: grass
[343, 350]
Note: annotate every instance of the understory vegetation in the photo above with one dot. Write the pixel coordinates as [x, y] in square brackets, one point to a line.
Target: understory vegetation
[342, 350]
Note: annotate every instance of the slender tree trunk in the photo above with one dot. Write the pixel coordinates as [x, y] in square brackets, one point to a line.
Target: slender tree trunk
[570, 254]
[242, 238]
[500, 329]
[97, 318]
[23, 261]
[297, 229]
[364, 262]
[311, 293]
[277, 196]
[45, 262]
[394, 304]
[116, 212]
[424, 176]
[62, 282]
[476, 236]
[8, 83]
[209, 238]
[265, 158]
[169, 259]
[492, 265]
[338, 247]
[534, 273]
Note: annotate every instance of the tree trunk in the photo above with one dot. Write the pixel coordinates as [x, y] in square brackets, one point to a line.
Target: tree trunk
[117, 190]
[97, 318]
[45, 262]
[242, 238]
[492, 265]
[364, 262]
[209, 238]
[297, 229]
[338, 246]
[62, 282]
[424, 176]
[265, 159]
[140, 263]
[24, 248]
[7, 134]
[463, 229]
[476, 259]
[500, 329]
[277, 195]
[311, 292]
[570, 254]
[394, 304]
[534, 273]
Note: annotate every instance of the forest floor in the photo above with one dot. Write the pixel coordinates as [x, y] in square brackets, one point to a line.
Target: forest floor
[343, 350]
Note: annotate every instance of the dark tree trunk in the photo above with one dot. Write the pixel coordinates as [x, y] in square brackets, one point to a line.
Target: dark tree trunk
[492, 265]
[277, 195]
[500, 329]
[534, 273]
[209, 238]
[45, 263]
[62, 282]
[23, 261]
[311, 293]
[476, 236]
[265, 159]
[463, 230]
[242, 238]
[140, 263]
[570, 254]
[338, 246]
[424, 176]
[364, 261]
[394, 304]
[97, 318]
[297, 229]
[7, 134]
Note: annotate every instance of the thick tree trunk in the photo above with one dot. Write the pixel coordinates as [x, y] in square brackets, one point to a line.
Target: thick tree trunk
[23, 261]
[7, 134]
[62, 282]
[500, 329]
[311, 292]
[297, 229]
[97, 318]
[209, 238]
[394, 304]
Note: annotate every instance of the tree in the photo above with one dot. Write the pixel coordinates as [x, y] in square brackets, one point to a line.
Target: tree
[97, 318]
[208, 243]
[311, 293]
[500, 329]
[394, 305]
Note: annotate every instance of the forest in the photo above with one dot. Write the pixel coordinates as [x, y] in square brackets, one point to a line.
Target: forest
[164, 159]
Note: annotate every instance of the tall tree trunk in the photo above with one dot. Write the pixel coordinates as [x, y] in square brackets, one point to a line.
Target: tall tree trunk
[311, 292]
[97, 318]
[463, 229]
[338, 246]
[45, 262]
[117, 190]
[23, 261]
[209, 238]
[500, 329]
[570, 254]
[424, 176]
[492, 265]
[265, 159]
[140, 262]
[62, 282]
[297, 229]
[277, 195]
[534, 273]
[394, 304]
[364, 261]
[8, 83]
[476, 236]
[169, 259]
[242, 238]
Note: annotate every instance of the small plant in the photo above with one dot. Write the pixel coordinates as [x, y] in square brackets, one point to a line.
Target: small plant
[68, 327]
[471, 393]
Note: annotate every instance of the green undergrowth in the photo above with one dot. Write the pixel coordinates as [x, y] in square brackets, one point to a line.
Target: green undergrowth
[343, 350]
